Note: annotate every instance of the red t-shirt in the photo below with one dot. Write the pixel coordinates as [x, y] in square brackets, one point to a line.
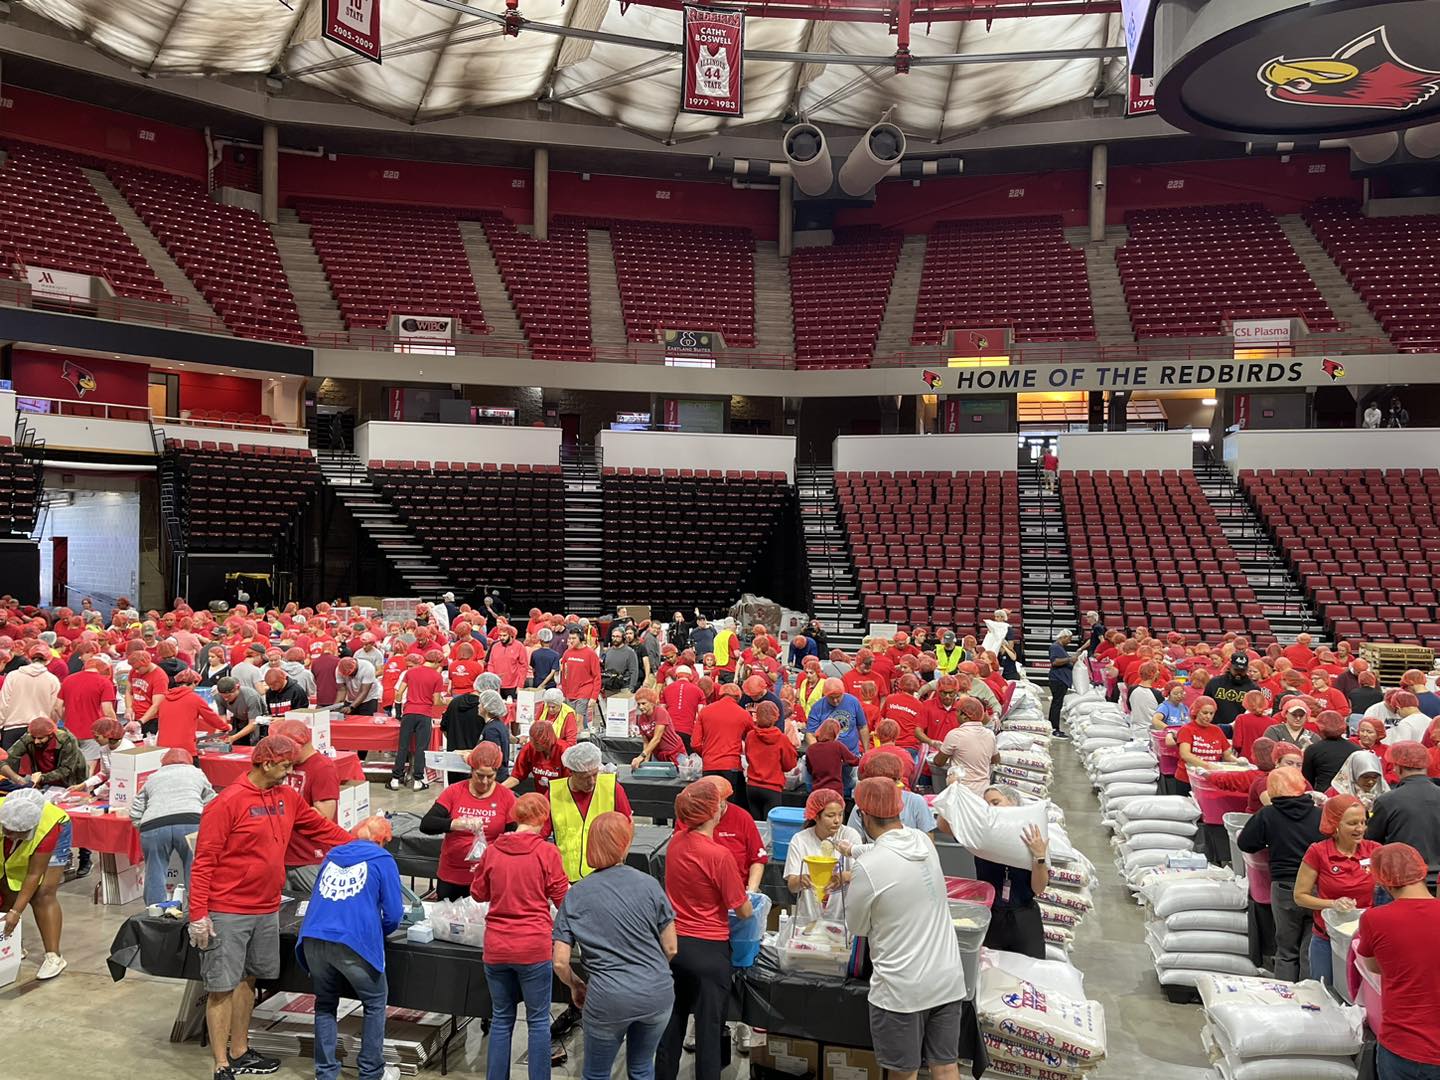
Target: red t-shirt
[421, 685]
[1247, 728]
[826, 762]
[703, 885]
[854, 677]
[492, 809]
[1401, 936]
[316, 780]
[936, 720]
[463, 674]
[83, 694]
[737, 834]
[389, 677]
[1338, 875]
[906, 710]
[683, 700]
[670, 746]
[144, 689]
[720, 730]
[580, 674]
[529, 763]
[1206, 743]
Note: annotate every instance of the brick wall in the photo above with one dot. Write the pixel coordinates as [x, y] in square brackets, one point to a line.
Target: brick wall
[103, 533]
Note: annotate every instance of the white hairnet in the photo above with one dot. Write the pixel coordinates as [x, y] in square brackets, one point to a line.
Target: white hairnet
[553, 696]
[20, 812]
[492, 704]
[488, 681]
[582, 757]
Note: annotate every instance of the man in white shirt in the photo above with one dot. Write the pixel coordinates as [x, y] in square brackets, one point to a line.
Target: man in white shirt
[359, 688]
[897, 900]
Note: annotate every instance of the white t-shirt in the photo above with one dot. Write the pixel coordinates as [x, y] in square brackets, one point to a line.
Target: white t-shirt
[805, 843]
[1410, 729]
[897, 899]
[1143, 706]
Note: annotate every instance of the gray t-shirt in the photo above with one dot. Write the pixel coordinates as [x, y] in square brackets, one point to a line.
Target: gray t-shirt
[364, 678]
[247, 705]
[615, 916]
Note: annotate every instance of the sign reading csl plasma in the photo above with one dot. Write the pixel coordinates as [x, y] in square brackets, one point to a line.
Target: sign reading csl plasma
[1149, 375]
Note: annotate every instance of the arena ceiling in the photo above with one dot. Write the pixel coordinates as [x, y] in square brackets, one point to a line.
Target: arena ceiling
[446, 58]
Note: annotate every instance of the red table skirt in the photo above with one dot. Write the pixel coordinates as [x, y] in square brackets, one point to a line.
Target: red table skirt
[224, 769]
[106, 833]
[362, 733]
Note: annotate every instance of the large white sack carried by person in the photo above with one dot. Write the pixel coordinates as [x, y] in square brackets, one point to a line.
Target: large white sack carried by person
[1019, 1011]
[991, 832]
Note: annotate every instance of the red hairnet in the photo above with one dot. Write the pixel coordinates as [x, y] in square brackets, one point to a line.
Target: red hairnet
[819, 799]
[273, 749]
[1377, 726]
[532, 809]
[1367, 679]
[971, 709]
[105, 728]
[927, 664]
[766, 714]
[347, 667]
[706, 685]
[887, 731]
[646, 694]
[1262, 750]
[1285, 781]
[1397, 865]
[909, 684]
[947, 684]
[542, 735]
[697, 803]
[609, 840]
[1404, 699]
[1282, 750]
[724, 786]
[1331, 724]
[1409, 755]
[1202, 702]
[878, 797]
[293, 730]
[42, 727]
[756, 686]
[1148, 670]
[729, 689]
[1335, 810]
[827, 731]
[485, 756]
[176, 755]
[880, 763]
[1255, 701]
[375, 828]
[1412, 677]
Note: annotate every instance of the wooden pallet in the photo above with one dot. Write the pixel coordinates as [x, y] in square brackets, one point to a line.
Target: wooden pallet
[1390, 660]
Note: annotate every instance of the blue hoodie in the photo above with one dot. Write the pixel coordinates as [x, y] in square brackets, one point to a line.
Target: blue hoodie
[357, 902]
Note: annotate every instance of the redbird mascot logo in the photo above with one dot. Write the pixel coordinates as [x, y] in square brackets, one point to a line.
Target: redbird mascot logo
[932, 380]
[1334, 368]
[1364, 74]
[81, 380]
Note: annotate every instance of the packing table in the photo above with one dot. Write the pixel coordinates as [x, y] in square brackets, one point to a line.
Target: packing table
[224, 769]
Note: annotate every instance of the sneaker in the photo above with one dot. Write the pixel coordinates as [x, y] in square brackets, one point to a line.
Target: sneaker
[252, 1064]
[394, 784]
[51, 966]
[1060, 735]
[419, 785]
[224, 1073]
[743, 1038]
[690, 1036]
[391, 1072]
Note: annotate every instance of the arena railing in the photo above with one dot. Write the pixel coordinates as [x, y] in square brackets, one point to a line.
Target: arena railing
[74, 407]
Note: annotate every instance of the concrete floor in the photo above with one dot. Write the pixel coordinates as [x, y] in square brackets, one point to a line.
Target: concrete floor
[126, 1025]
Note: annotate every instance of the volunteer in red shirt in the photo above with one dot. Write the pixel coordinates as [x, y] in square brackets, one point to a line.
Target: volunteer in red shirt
[720, 731]
[738, 835]
[905, 709]
[540, 758]
[315, 778]
[235, 889]
[660, 743]
[1327, 695]
[510, 660]
[865, 671]
[703, 886]
[769, 755]
[424, 689]
[476, 807]
[1335, 875]
[1300, 654]
[147, 684]
[464, 669]
[87, 696]
[1398, 942]
[180, 713]
[579, 674]
[390, 680]
[938, 715]
[1200, 742]
[683, 701]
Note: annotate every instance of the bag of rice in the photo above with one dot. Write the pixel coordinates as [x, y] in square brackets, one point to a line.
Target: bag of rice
[1233, 1067]
[1019, 1011]
[1166, 807]
[1004, 1050]
[1151, 841]
[1227, 922]
[1130, 825]
[1056, 915]
[1168, 897]
[1325, 1030]
[1074, 899]
[1223, 988]
[1206, 941]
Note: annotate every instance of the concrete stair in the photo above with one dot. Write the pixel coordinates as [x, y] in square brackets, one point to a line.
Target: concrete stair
[899, 322]
[1344, 301]
[835, 593]
[607, 317]
[170, 275]
[774, 321]
[495, 300]
[584, 529]
[1107, 294]
[319, 313]
[1047, 586]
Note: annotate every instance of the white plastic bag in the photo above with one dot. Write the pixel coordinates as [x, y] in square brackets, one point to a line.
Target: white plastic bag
[1056, 978]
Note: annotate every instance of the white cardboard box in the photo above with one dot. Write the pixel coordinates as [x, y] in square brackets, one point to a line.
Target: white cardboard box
[353, 806]
[619, 714]
[121, 881]
[318, 721]
[10, 957]
[527, 701]
[129, 769]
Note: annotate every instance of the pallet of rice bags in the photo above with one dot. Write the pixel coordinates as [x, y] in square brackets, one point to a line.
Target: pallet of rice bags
[1021, 1012]
[1270, 1018]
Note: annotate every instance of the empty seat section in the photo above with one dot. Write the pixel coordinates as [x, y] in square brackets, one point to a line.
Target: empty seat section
[21, 482]
[1369, 563]
[1147, 548]
[404, 259]
[548, 282]
[1392, 262]
[52, 216]
[1015, 272]
[685, 277]
[838, 296]
[914, 538]
[680, 542]
[243, 499]
[487, 527]
[227, 251]
[1185, 271]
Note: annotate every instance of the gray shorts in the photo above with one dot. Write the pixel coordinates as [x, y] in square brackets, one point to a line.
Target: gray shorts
[245, 946]
[905, 1041]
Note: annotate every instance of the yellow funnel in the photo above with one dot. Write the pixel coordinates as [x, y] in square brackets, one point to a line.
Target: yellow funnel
[821, 869]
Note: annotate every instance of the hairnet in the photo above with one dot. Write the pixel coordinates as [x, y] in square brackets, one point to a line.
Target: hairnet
[1335, 810]
[971, 709]
[880, 763]
[582, 757]
[1255, 701]
[42, 727]
[1393, 865]
[833, 686]
[1331, 724]
[697, 803]
[553, 696]
[274, 748]
[827, 731]
[1377, 726]
[819, 799]
[947, 684]
[105, 728]
[756, 686]
[729, 689]
[766, 714]
[176, 755]
[1412, 677]
[1367, 679]
[542, 736]
[1404, 699]
[375, 828]
[887, 731]
[609, 840]
[347, 667]
[646, 695]
[275, 678]
[706, 685]
[1010, 794]
[532, 809]
[20, 812]
[1148, 670]
[1202, 702]
[1262, 750]
[293, 730]
[1409, 755]
[878, 797]
[488, 681]
[724, 786]
[1284, 781]
[486, 755]
[908, 683]
[493, 705]
[1282, 750]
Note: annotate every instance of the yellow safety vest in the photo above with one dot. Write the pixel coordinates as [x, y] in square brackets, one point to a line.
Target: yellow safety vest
[560, 719]
[18, 864]
[721, 648]
[572, 833]
[809, 697]
[946, 661]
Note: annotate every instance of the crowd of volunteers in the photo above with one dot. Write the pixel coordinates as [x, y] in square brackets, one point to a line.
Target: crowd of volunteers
[1346, 811]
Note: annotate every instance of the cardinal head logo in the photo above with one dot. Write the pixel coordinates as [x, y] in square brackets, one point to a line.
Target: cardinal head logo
[1362, 74]
[1333, 368]
[932, 380]
[81, 380]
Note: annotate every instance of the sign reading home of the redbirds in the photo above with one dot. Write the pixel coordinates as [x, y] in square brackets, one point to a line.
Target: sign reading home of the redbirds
[714, 52]
[354, 24]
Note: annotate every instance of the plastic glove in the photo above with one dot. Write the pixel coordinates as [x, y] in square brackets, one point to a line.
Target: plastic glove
[202, 933]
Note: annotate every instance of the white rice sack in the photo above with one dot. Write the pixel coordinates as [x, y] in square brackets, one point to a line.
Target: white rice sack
[1117, 791]
[1058, 953]
[1168, 807]
[1232, 1067]
[1180, 976]
[1101, 730]
[1055, 915]
[1168, 897]
[1261, 992]
[1014, 740]
[1028, 787]
[1130, 776]
[1225, 963]
[1131, 826]
[1030, 1061]
[1228, 922]
[1206, 941]
[1157, 841]
[1058, 935]
[1021, 1012]
[1091, 743]
[1069, 876]
[1143, 860]
[990, 832]
[1325, 1030]
[1121, 762]
[1038, 726]
[1056, 814]
[1003, 1067]
[1165, 873]
[1034, 760]
[1063, 978]
[1075, 899]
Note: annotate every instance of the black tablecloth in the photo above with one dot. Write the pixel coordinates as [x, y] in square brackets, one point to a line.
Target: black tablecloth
[655, 798]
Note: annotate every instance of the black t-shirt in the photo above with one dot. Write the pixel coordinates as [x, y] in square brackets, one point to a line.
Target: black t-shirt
[997, 874]
[1362, 697]
[1229, 696]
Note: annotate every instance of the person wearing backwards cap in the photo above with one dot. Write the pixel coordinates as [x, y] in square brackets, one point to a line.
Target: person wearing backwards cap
[36, 852]
[1397, 941]
[236, 881]
[1409, 813]
[621, 919]
[574, 805]
[703, 886]
[897, 901]
[475, 807]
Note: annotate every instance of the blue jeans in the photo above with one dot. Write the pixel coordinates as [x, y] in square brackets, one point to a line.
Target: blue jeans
[509, 985]
[333, 969]
[157, 844]
[1393, 1067]
[1322, 960]
[641, 1038]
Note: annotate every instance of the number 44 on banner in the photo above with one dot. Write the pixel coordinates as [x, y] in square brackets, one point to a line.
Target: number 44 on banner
[714, 55]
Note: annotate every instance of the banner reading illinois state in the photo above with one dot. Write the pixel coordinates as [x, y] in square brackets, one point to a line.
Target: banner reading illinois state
[354, 24]
[714, 52]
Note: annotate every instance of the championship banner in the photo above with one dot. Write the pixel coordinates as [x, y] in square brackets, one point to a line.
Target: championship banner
[1142, 96]
[355, 24]
[714, 53]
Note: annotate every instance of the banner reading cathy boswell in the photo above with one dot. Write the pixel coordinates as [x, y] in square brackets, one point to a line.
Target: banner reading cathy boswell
[714, 56]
